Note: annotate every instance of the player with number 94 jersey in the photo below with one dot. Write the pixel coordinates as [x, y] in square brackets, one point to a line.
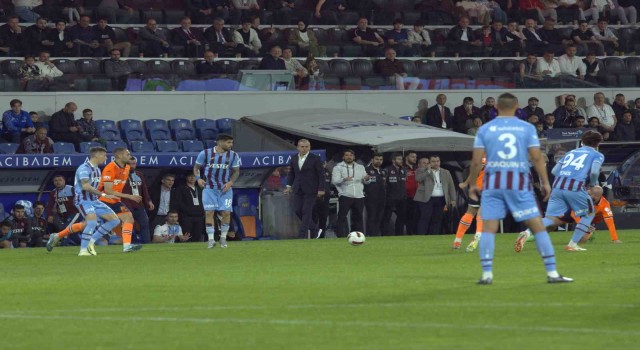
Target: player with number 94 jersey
[507, 181]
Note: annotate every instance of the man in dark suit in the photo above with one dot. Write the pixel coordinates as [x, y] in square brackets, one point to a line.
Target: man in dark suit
[163, 199]
[272, 61]
[221, 39]
[208, 66]
[440, 115]
[306, 181]
[189, 37]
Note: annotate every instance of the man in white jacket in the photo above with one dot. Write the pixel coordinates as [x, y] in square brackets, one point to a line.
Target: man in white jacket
[349, 178]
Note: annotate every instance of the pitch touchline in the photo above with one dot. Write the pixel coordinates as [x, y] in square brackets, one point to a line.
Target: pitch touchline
[327, 306]
[325, 323]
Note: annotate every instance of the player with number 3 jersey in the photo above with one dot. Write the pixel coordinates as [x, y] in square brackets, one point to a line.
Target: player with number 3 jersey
[508, 144]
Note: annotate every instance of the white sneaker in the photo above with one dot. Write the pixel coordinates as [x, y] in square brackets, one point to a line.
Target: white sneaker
[91, 248]
[520, 241]
[223, 242]
[84, 252]
[574, 248]
[212, 243]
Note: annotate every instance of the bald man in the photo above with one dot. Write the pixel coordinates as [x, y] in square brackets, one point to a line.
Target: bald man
[63, 125]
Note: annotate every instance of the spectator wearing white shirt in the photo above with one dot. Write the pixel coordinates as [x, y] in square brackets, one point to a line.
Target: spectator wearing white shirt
[548, 66]
[48, 70]
[572, 65]
[171, 230]
[603, 112]
[607, 38]
[420, 39]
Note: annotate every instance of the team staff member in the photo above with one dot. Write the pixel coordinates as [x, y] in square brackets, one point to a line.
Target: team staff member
[60, 210]
[396, 196]
[435, 191]
[349, 178]
[190, 208]
[375, 194]
[321, 208]
[137, 186]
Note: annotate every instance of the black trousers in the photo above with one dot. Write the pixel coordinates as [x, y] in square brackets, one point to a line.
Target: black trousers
[375, 213]
[346, 205]
[193, 225]
[431, 213]
[303, 206]
[412, 216]
[398, 206]
[140, 216]
[321, 212]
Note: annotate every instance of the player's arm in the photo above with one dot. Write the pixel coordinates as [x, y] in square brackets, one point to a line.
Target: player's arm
[612, 228]
[476, 166]
[108, 189]
[556, 169]
[595, 172]
[541, 168]
[196, 169]
[86, 186]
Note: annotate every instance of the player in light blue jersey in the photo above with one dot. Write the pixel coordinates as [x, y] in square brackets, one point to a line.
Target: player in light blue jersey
[509, 143]
[576, 171]
[86, 199]
[220, 170]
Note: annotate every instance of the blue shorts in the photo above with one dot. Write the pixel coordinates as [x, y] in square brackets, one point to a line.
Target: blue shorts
[521, 204]
[217, 200]
[562, 201]
[94, 207]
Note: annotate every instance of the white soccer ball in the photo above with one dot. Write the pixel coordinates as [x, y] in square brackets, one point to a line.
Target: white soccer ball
[356, 238]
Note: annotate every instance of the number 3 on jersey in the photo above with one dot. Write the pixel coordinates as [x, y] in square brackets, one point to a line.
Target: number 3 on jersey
[577, 163]
[509, 145]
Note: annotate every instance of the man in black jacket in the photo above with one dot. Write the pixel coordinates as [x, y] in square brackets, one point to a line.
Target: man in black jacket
[221, 41]
[208, 67]
[272, 61]
[163, 199]
[306, 181]
[463, 40]
[63, 125]
[37, 37]
[375, 194]
[188, 199]
[439, 115]
[396, 201]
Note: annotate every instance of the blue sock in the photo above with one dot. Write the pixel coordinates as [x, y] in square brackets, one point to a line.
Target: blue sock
[87, 232]
[224, 229]
[545, 248]
[486, 249]
[211, 232]
[104, 229]
[582, 228]
[547, 222]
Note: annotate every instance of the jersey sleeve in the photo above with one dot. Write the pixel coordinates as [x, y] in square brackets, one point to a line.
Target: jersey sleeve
[606, 210]
[84, 173]
[236, 160]
[108, 175]
[200, 159]
[533, 137]
[479, 142]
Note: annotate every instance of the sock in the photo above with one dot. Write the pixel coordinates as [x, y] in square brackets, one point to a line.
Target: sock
[104, 229]
[87, 232]
[478, 224]
[486, 249]
[71, 229]
[545, 248]
[211, 232]
[582, 228]
[127, 229]
[224, 228]
[463, 226]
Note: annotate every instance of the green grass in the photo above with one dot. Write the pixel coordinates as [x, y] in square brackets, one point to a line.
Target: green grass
[391, 293]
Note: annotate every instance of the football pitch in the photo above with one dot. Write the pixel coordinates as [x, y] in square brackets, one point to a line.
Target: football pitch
[392, 293]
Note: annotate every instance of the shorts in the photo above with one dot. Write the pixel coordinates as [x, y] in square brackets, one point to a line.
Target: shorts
[94, 207]
[521, 204]
[567, 218]
[562, 201]
[474, 203]
[118, 207]
[217, 200]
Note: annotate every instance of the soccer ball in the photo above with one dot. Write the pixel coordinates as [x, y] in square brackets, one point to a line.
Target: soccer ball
[356, 238]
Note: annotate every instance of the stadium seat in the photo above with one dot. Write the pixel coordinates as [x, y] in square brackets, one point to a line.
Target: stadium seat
[225, 125]
[151, 124]
[209, 143]
[88, 66]
[191, 146]
[616, 68]
[63, 148]
[138, 66]
[167, 146]
[362, 67]
[158, 67]
[141, 147]
[86, 146]
[130, 124]
[427, 69]
[8, 148]
[184, 68]
[206, 129]
[112, 145]
[249, 65]
[341, 68]
[470, 69]
[66, 66]
[229, 66]
[448, 68]
[409, 67]
[181, 129]
[134, 135]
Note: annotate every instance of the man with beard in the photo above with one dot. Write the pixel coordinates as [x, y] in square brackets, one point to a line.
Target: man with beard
[396, 196]
[349, 178]
[375, 194]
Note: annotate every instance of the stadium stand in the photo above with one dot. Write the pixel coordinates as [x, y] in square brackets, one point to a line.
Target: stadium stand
[64, 148]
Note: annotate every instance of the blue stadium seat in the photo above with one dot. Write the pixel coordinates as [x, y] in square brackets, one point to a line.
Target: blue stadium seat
[8, 148]
[159, 135]
[210, 143]
[181, 129]
[206, 129]
[134, 135]
[107, 130]
[141, 147]
[111, 145]
[64, 148]
[153, 124]
[167, 146]
[192, 146]
[86, 146]
[130, 124]
[225, 125]
[105, 123]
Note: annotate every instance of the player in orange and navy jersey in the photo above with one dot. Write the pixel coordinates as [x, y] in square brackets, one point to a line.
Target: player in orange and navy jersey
[603, 212]
[473, 210]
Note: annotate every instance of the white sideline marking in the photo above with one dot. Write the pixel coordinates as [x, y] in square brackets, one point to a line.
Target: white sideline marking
[330, 306]
[327, 323]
